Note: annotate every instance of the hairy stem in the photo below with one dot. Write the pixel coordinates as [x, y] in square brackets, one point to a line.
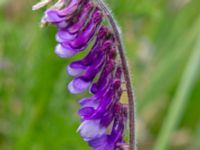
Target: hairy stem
[131, 99]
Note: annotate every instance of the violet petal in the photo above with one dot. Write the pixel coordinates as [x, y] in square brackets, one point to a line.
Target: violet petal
[78, 85]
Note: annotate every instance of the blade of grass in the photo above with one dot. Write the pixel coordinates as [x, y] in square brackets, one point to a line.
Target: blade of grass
[174, 27]
[171, 62]
[178, 104]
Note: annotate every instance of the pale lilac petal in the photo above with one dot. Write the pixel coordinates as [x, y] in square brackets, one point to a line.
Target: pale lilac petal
[64, 36]
[54, 15]
[64, 52]
[51, 16]
[61, 25]
[74, 71]
[78, 85]
[90, 129]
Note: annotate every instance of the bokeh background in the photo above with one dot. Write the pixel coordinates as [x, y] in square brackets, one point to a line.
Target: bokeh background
[162, 40]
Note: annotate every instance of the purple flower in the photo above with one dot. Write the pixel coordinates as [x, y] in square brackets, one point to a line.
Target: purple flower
[91, 71]
[54, 15]
[90, 129]
[78, 67]
[102, 115]
[108, 142]
[69, 33]
[77, 42]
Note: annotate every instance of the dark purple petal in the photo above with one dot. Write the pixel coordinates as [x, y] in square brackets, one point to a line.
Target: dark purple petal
[98, 103]
[101, 109]
[95, 143]
[101, 143]
[71, 31]
[104, 78]
[97, 64]
[82, 40]
[106, 102]
[80, 84]
[109, 142]
[86, 111]
[117, 130]
[78, 67]
[93, 70]
[82, 18]
[118, 72]
[106, 118]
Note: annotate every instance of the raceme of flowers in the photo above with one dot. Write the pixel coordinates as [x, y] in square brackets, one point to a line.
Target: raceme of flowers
[79, 23]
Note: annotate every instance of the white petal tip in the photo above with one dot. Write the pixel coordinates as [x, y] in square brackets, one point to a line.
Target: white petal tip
[63, 52]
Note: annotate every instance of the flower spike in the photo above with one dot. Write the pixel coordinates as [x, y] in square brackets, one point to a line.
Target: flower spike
[103, 116]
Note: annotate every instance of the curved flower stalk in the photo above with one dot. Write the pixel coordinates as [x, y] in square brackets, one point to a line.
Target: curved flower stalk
[103, 116]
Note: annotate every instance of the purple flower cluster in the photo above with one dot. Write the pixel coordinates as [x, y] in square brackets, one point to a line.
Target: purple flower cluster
[103, 117]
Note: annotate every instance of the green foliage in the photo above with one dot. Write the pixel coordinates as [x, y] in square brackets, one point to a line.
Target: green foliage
[162, 44]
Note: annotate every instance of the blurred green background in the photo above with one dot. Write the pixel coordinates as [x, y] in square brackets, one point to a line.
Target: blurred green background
[162, 40]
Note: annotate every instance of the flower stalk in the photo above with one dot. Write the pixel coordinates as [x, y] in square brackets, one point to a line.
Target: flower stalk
[131, 98]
